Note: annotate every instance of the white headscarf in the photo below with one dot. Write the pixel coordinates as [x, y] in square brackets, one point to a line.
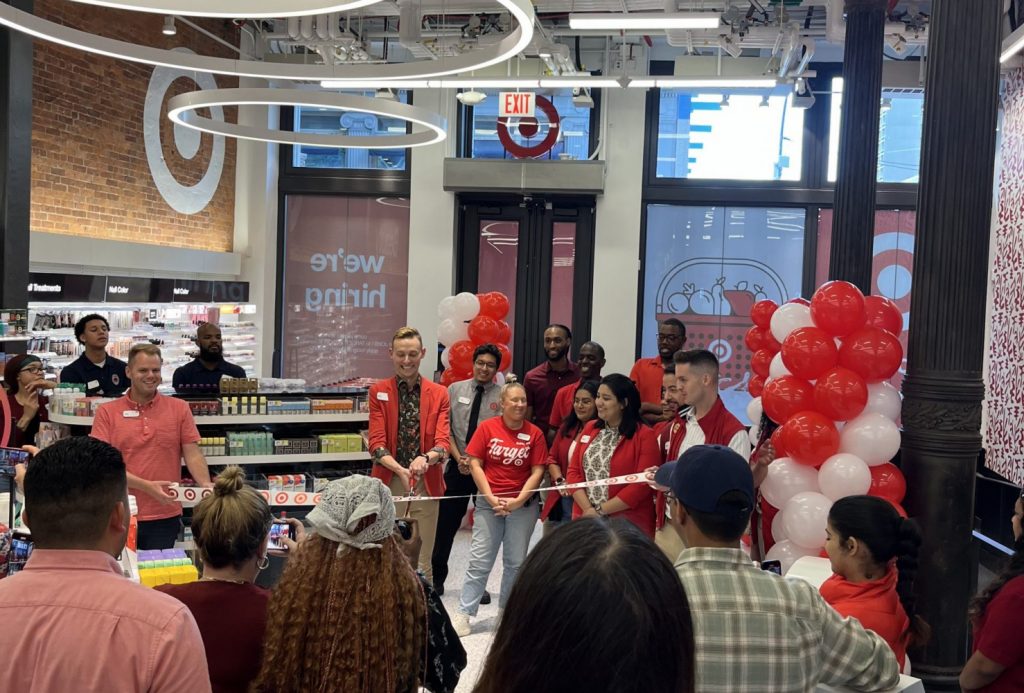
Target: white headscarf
[345, 503]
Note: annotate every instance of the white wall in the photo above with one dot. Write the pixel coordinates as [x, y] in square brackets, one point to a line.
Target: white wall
[431, 227]
[617, 242]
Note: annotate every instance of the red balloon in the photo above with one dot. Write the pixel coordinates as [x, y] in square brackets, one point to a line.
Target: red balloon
[887, 482]
[899, 508]
[755, 386]
[504, 335]
[777, 444]
[760, 362]
[840, 394]
[871, 353]
[769, 342]
[483, 330]
[799, 299]
[785, 396]
[761, 313]
[838, 308]
[494, 305]
[882, 313]
[448, 377]
[808, 352]
[810, 438]
[460, 356]
[506, 358]
[753, 339]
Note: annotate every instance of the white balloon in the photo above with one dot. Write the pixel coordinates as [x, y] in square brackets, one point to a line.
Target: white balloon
[787, 318]
[804, 519]
[446, 359]
[778, 531]
[884, 399]
[754, 434]
[446, 308]
[873, 437]
[844, 475]
[787, 553]
[777, 368]
[451, 331]
[754, 411]
[467, 306]
[786, 478]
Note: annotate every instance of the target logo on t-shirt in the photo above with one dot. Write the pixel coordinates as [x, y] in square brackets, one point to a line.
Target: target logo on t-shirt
[508, 454]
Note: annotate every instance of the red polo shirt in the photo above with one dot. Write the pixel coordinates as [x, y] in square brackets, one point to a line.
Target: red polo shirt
[648, 374]
[150, 437]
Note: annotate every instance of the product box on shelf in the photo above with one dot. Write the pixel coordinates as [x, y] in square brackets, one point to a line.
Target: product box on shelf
[296, 446]
[331, 406]
[204, 407]
[215, 446]
[241, 443]
[243, 405]
[288, 406]
[286, 482]
[239, 386]
[341, 442]
[166, 566]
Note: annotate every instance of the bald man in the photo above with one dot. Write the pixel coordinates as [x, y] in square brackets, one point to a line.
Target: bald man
[206, 370]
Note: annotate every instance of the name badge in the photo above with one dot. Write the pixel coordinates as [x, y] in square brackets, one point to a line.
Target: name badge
[130, 413]
[92, 384]
[465, 400]
[523, 436]
[585, 439]
[382, 396]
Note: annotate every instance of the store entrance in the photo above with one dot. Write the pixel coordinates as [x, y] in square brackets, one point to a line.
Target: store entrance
[538, 251]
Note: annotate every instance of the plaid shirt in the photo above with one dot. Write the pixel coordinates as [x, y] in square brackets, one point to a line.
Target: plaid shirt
[755, 631]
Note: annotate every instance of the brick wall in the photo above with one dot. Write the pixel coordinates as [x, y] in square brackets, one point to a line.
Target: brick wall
[90, 176]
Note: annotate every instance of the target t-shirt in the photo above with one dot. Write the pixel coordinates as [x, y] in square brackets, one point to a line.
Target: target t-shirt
[508, 456]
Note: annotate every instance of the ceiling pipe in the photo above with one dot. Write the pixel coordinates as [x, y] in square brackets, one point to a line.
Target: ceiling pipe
[306, 27]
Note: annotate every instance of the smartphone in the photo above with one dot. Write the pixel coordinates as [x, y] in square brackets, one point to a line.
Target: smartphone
[9, 457]
[21, 549]
[772, 566]
[404, 528]
[278, 530]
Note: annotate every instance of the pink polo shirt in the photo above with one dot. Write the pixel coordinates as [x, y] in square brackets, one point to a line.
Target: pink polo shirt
[150, 437]
[73, 622]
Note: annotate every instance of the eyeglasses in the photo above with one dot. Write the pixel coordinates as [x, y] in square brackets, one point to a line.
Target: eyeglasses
[32, 369]
[669, 337]
[485, 364]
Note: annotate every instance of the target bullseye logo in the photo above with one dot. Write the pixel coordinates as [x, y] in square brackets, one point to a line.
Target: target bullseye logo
[300, 499]
[281, 498]
[529, 127]
[189, 494]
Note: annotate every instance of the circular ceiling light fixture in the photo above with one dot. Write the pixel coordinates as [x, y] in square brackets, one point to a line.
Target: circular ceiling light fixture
[509, 46]
[254, 9]
[182, 110]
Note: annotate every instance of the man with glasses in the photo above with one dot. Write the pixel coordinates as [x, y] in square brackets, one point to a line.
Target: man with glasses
[648, 373]
[472, 401]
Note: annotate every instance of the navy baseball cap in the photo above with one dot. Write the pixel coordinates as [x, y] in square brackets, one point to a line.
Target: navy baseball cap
[703, 474]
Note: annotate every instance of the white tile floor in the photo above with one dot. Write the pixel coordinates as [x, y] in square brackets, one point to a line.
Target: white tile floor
[479, 641]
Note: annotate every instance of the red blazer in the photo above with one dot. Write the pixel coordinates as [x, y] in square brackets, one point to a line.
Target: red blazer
[434, 432]
[558, 454]
[631, 456]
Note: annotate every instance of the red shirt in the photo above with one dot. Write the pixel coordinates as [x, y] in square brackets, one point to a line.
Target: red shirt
[541, 384]
[232, 619]
[508, 456]
[562, 404]
[997, 636]
[649, 374]
[150, 437]
[875, 604]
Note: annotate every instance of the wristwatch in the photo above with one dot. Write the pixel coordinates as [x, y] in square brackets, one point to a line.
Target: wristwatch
[379, 453]
[597, 509]
[441, 453]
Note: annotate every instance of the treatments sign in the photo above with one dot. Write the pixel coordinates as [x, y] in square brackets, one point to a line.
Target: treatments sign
[345, 276]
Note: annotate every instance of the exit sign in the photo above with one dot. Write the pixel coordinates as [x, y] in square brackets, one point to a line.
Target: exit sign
[516, 103]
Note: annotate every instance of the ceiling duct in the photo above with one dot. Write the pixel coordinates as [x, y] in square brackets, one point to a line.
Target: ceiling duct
[410, 29]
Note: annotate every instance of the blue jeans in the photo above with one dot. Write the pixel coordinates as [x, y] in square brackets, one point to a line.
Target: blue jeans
[512, 533]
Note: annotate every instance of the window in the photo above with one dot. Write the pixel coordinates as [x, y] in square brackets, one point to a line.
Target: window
[892, 267]
[346, 266]
[573, 138]
[707, 266]
[712, 135]
[327, 121]
[899, 133]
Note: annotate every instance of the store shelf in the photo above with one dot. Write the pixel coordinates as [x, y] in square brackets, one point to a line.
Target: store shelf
[233, 420]
[287, 459]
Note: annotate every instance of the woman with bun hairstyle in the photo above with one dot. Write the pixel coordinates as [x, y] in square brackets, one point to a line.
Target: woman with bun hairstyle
[997, 662]
[873, 551]
[230, 527]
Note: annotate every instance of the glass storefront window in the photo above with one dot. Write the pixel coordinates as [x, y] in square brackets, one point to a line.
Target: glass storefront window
[573, 137]
[326, 121]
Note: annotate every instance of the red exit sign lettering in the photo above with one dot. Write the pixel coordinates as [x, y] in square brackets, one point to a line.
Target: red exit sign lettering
[516, 103]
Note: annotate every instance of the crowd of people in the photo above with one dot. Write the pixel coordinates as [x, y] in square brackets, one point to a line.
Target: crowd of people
[641, 585]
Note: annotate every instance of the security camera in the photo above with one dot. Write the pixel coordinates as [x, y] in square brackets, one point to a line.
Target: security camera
[471, 97]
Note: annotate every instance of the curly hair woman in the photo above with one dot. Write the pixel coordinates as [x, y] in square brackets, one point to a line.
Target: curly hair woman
[997, 663]
[350, 613]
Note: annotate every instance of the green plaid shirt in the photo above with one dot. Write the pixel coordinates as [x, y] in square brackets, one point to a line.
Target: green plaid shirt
[758, 632]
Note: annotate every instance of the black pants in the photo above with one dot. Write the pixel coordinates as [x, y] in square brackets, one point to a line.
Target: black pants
[159, 534]
[449, 517]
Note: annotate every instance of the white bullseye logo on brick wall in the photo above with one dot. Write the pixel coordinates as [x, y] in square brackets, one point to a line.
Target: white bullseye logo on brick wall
[186, 199]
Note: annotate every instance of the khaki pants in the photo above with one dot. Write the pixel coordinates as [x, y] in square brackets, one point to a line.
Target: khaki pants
[425, 513]
[668, 540]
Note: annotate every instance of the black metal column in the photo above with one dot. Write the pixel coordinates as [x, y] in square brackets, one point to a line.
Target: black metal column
[15, 161]
[943, 389]
[854, 220]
